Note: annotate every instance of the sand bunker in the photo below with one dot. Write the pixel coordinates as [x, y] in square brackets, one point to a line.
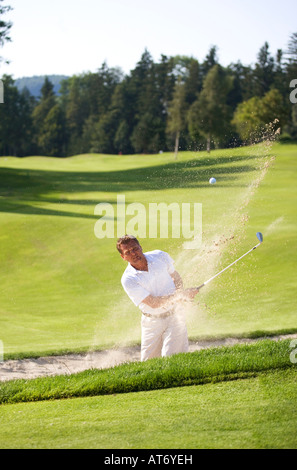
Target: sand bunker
[73, 363]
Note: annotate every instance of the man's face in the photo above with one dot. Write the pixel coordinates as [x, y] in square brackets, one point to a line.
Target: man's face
[132, 252]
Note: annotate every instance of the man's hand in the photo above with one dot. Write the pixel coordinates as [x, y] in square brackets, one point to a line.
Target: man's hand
[187, 294]
[191, 292]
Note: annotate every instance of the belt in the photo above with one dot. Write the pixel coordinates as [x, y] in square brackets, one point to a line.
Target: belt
[161, 315]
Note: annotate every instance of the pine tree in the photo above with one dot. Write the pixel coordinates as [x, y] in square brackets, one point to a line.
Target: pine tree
[292, 48]
[264, 71]
[52, 140]
[149, 129]
[291, 54]
[76, 111]
[210, 114]
[15, 121]
[193, 82]
[47, 121]
[176, 114]
[46, 102]
[210, 61]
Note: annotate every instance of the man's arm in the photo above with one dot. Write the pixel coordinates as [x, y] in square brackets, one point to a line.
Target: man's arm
[156, 302]
[183, 294]
[177, 280]
[167, 300]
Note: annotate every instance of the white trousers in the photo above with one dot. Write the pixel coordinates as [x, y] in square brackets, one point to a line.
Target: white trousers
[163, 336]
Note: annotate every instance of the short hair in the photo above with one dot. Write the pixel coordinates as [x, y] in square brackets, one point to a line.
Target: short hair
[125, 240]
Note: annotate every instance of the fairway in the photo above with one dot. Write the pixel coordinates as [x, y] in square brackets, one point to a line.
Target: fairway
[60, 285]
[242, 414]
[61, 292]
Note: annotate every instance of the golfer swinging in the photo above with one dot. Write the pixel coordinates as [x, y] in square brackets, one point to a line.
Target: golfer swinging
[153, 285]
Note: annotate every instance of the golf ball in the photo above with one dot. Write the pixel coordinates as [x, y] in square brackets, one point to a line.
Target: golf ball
[212, 180]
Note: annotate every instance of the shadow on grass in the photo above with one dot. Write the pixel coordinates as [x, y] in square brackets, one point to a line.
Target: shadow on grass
[17, 186]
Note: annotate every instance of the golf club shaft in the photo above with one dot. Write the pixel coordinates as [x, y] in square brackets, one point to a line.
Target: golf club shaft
[206, 282]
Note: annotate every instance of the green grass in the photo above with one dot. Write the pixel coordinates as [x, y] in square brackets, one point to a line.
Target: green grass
[210, 365]
[254, 413]
[239, 397]
[60, 292]
[60, 285]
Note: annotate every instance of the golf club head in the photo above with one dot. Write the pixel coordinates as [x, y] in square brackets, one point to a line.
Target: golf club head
[259, 236]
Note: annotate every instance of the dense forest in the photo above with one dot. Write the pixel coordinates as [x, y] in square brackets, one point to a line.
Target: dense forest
[177, 103]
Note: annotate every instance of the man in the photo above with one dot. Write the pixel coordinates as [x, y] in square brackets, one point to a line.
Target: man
[153, 285]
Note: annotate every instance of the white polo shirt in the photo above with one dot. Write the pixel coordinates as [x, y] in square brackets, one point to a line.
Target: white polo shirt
[156, 281]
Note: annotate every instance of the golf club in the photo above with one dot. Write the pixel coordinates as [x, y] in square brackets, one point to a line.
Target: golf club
[260, 238]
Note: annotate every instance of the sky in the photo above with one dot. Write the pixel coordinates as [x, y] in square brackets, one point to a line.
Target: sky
[71, 37]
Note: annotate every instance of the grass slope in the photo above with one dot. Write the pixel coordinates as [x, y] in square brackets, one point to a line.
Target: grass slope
[60, 285]
[210, 365]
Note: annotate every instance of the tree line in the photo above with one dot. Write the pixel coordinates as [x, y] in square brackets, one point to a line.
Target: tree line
[177, 103]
